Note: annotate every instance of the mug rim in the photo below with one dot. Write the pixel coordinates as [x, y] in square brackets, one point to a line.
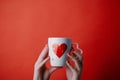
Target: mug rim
[59, 38]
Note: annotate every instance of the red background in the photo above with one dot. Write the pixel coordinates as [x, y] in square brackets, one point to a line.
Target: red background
[25, 26]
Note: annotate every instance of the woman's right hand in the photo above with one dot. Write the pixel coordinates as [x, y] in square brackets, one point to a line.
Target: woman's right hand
[41, 72]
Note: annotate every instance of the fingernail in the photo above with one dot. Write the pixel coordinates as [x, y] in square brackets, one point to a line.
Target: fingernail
[68, 55]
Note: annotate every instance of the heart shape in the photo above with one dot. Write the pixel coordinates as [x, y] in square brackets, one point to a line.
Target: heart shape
[59, 49]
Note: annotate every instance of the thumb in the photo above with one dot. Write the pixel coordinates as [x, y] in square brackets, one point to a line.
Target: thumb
[52, 70]
[69, 66]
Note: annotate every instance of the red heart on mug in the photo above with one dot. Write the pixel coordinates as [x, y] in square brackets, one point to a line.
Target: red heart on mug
[59, 49]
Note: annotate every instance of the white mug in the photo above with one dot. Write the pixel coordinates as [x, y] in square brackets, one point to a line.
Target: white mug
[58, 49]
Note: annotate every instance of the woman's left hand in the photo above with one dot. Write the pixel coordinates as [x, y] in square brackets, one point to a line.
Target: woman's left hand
[74, 72]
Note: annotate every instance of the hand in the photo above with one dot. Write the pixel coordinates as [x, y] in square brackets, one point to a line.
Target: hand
[74, 72]
[41, 72]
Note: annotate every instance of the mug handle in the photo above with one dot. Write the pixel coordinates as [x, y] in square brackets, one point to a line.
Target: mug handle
[77, 46]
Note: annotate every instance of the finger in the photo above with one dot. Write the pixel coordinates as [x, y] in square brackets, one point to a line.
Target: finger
[78, 55]
[52, 70]
[43, 54]
[78, 48]
[42, 63]
[71, 49]
[69, 66]
[77, 65]
[79, 59]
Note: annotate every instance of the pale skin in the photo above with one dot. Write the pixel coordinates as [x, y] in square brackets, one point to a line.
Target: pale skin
[41, 72]
[74, 72]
